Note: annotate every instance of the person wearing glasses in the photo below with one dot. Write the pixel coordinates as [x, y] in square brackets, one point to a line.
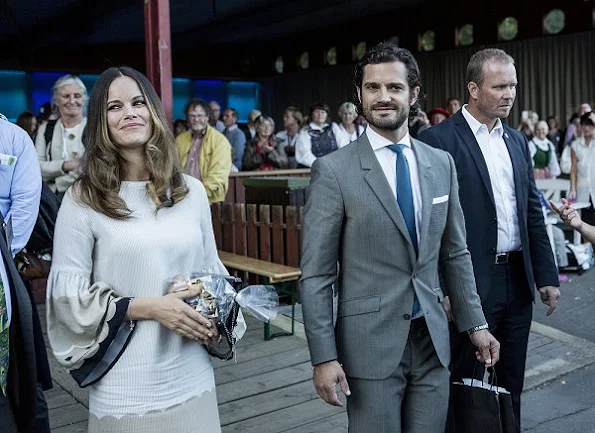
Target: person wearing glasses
[204, 152]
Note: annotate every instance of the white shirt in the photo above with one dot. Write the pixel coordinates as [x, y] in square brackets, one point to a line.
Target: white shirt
[343, 137]
[496, 156]
[388, 161]
[303, 145]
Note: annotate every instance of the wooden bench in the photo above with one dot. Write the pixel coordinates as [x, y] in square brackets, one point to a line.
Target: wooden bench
[283, 278]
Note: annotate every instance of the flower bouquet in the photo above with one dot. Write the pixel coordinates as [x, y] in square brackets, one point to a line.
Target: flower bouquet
[220, 299]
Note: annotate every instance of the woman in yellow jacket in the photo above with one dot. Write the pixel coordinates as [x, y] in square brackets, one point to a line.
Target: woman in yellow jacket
[204, 152]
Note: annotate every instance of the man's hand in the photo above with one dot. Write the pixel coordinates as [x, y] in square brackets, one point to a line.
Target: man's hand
[447, 309]
[549, 296]
[488, 347]
[326, 377]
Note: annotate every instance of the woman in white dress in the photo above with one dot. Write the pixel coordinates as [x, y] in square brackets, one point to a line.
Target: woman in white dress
[129, 223]
[582, 172]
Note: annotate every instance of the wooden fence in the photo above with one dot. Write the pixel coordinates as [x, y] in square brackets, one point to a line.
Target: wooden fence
[236, 191]
[270, 233]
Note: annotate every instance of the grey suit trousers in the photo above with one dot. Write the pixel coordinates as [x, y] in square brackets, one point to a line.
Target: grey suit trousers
[417, 392]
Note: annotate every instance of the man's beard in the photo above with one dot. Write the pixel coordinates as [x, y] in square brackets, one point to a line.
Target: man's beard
[387, 123]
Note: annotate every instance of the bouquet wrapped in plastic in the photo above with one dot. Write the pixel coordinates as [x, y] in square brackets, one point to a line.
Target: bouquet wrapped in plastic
[220, 299]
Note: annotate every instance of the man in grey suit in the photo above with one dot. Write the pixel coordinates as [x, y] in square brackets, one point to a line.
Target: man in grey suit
[386, 208]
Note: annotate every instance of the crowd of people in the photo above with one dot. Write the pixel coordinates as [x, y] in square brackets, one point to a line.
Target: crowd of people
[396, 196]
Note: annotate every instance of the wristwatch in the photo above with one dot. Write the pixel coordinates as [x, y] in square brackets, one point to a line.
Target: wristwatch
[477, 328]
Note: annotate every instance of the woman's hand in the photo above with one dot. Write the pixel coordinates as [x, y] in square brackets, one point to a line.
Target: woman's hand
[571, 195]
[172, 312]
[568, 214]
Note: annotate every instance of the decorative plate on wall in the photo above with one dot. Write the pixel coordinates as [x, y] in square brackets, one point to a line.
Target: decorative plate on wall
[359, 50]
[554, 22]
[331, 56]
[304, 61]
[464, 35]
[427, 41]
[279, 65]
[508, 29]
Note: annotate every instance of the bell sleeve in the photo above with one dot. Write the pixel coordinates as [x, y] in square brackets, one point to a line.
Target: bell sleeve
[83, 315]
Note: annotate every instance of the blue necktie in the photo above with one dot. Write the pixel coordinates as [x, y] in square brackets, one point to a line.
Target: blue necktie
[405, 201]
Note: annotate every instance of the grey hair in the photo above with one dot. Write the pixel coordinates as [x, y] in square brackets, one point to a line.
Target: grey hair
[480, 58]
[262, 118]
[65, 81]
[347, 106]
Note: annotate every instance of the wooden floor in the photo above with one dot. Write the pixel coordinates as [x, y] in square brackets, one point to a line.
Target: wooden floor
[269, 390]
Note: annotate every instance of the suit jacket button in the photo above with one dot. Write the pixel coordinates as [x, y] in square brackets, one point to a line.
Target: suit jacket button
[407, 316]
[493, 250]
[495, 219]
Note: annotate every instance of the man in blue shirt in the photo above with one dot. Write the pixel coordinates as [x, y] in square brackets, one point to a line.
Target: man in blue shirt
[20, 184]
[235, 136]
[22, 404]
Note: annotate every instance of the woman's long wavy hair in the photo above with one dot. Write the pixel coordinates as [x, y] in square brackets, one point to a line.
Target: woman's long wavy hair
[104, 168]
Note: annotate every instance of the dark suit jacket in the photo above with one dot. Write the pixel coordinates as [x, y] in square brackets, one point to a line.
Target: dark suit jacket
[22, 370]
[477, 199]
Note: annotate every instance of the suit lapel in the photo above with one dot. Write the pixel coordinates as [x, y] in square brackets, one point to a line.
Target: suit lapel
[468, 138]
[517, 159]
[426, 184]
[380, 186]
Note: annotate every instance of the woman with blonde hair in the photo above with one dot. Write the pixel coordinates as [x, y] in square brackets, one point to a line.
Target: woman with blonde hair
[128, 224]
[347, 130]
[264, 151]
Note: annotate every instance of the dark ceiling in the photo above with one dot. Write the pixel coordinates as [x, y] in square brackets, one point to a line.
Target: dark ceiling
[241, 38]
[32, 29]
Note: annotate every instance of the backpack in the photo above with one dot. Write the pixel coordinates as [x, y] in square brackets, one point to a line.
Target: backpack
[49, 133]
[35, 259]
[580, 257]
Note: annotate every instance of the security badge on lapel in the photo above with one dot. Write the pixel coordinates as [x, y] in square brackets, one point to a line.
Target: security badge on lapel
[7, 159]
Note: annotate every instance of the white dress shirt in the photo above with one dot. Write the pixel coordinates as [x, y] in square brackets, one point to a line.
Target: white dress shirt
[388, 161]
[496, 156]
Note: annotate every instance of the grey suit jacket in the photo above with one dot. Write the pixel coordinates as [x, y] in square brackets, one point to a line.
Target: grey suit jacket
[352, 217]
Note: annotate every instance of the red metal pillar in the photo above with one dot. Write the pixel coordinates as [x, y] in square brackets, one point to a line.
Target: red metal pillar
[158, 51]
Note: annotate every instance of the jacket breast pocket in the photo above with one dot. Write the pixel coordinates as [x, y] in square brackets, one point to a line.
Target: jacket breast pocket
[355, 306]
[6, 174]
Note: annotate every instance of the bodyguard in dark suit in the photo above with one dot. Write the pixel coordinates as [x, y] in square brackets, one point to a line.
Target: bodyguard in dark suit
[506, 234]
[18, 403]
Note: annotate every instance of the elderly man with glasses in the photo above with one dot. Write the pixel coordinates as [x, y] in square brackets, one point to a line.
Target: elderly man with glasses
[204, 152]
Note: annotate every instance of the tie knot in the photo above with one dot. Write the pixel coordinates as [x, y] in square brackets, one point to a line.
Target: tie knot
[397, 148]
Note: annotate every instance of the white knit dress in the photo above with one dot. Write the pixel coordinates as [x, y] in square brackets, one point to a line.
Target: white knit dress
[162, 382]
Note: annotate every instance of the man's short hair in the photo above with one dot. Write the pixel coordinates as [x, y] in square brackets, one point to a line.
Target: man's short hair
[234, 112]
[475, 67]
[452, 98]
[195, 102]
[386, 52]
